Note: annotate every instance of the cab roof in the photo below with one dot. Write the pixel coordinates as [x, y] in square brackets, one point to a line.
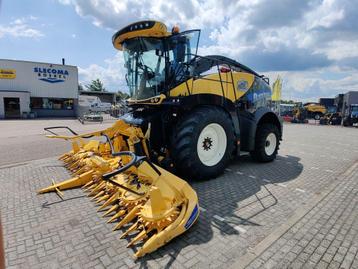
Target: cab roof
[147, 28]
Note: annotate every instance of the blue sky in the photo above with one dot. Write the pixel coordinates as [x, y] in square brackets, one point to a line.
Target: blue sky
[312, 45]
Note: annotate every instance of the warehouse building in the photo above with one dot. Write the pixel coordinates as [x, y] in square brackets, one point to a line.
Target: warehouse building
[37, 89]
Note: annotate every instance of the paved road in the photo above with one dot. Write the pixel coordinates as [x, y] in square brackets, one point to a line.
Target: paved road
[24, 140]
[323, 235]
[241, 210]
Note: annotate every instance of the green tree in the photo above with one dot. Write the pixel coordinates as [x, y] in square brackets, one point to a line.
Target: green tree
[80, 87]
[96, 86]
[122, 95]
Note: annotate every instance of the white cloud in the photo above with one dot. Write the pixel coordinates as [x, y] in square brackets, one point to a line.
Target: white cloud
[296, 38]
[310, 86]
[20, 28]
[112, 73]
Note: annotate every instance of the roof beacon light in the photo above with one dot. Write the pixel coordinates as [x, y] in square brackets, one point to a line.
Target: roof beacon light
[175, 29]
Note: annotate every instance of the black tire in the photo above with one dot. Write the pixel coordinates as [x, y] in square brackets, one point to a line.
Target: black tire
[185, 140]
[317, 116]
[259, 154]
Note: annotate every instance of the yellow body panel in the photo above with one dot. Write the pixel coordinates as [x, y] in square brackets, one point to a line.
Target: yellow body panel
[156, 100]
[315, 108]
[158, 30]
[210, 84]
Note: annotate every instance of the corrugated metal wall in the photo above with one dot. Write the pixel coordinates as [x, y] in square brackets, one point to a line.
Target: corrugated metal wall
[29, 75]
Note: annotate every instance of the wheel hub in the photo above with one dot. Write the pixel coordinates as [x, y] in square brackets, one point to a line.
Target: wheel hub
[211, 144]
[207, 143]
[270, 144]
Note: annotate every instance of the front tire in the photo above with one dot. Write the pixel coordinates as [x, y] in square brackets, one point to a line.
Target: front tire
[317, 116]
[266, 143]
[203, 143]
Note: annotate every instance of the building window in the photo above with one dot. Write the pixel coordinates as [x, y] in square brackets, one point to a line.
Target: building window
[51, 103]
[35, 102]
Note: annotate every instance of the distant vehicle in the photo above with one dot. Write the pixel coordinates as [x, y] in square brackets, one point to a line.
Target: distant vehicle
[350, 108]
[94, 103]
[314, 110]
[351, 115]
[287, 110]
[331, 118]
[308, 111]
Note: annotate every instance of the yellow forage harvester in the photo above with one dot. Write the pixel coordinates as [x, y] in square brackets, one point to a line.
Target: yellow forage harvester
[146, 201]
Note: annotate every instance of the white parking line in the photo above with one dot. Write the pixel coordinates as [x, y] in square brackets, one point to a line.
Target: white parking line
[240, 229]
[300, 190]
[281, 185]
[202, 209]
[218, 218]
[228, 169]
[239, 173]
[252, 176]
[314, 168]
[329, 171]
[265, 180]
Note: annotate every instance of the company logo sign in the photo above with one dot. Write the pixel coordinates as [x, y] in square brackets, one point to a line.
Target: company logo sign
[51, 75]
[243, 85]
[7, 73]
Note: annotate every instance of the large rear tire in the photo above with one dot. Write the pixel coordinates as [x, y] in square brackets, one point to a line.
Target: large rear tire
[266, 143]
[203, 143]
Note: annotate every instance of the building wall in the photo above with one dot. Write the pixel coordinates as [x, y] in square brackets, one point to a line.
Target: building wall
[41, 79]
[24, 101]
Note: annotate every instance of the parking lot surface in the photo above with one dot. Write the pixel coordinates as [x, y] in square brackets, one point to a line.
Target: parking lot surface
[298, 211]
[25, 140]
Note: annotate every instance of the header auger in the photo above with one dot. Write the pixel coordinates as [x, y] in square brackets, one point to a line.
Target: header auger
[132, 191]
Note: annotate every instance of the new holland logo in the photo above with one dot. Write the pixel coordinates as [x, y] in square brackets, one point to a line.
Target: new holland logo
[51, 75]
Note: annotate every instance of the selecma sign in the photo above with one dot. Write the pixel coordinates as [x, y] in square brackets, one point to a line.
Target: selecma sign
[51, 75]
[8, 73]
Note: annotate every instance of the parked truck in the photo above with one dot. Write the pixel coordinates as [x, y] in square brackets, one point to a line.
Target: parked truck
[94, 103]
[350, 108]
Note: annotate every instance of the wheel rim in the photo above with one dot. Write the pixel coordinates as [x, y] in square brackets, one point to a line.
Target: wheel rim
[212, 144]
[270, 144]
